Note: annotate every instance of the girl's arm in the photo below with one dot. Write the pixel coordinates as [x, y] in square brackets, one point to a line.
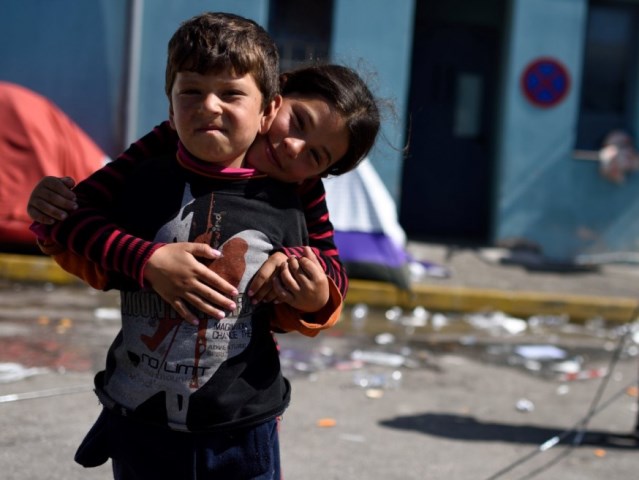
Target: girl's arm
[274, 280]
[321, 240]
[89, 231]
[51, 200]
[321, 233]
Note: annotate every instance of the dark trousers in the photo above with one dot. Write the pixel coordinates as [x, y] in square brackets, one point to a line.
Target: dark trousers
[143, 452]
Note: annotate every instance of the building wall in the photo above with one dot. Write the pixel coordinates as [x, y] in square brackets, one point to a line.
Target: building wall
[542, 194]
[80, 59]
[73, 53]
[545, 195]
[160, 19]
[375, 37]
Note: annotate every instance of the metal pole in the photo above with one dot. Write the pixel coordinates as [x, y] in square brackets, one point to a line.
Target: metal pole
[133, 72]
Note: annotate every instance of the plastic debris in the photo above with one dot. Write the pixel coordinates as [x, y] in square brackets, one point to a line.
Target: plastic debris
[305, 361]
[468, 340]
[548, 444]
[104, 313]
[393, 314]
[524, 405]
[540, 352]
[64, 325]
[419, 270]
[417, 318]
[374, 393]
[589, 374]
[547, 321]
[384, 380]
[378, 358]
[12, 372]
[497, 322]
[384, 339]
[572, 367]
[439, 321]
[359, 314]
[326, 422]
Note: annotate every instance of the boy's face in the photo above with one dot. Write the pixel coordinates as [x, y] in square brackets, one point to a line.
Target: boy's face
[307, 136]
[216, 115]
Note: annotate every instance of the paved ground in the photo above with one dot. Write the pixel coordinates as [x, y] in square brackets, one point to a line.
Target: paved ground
[465, 403]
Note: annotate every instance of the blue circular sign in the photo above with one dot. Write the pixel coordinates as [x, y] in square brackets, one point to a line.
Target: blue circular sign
[545, 82]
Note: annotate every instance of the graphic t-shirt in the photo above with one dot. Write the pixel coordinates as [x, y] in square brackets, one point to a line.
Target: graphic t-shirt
[221, 373]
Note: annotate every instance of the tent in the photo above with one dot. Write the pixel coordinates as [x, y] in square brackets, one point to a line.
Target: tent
[36, 139]
[368, 235]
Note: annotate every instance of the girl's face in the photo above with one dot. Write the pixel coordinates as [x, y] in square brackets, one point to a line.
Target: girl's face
[307, 136]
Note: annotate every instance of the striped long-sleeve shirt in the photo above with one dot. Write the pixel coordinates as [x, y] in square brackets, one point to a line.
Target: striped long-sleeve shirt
[94, 236]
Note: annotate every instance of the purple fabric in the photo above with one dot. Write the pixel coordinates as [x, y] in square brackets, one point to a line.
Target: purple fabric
[370, 248]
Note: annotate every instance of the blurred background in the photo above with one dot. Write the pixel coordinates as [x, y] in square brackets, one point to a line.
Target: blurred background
[504, 105]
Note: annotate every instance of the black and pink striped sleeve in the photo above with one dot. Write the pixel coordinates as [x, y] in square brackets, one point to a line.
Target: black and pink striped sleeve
[90, 230]
[321, 233]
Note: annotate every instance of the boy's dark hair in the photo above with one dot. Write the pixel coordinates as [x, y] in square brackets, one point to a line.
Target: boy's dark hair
[214, 41]
[345, 90]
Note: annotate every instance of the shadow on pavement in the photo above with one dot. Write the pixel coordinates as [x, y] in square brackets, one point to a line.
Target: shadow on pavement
[461, 427]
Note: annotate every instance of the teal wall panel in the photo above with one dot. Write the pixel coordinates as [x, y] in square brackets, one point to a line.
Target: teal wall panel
[545, 195]
[160, 19]
[539, 184]
[375, 38]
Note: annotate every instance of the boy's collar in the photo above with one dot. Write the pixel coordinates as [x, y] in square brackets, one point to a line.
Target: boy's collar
[191, 162]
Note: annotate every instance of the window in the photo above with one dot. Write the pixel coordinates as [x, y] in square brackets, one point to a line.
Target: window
[301, 29]
[609, 72]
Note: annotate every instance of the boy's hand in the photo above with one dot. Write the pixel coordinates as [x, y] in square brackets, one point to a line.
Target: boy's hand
[179, 278]
[51, 199]
[302, 283]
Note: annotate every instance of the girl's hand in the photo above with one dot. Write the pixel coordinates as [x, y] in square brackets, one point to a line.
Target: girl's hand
[51, 199]
[302, 283]
[178, 277]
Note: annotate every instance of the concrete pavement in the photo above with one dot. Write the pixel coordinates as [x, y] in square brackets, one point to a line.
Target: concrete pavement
[461, 406]
[447, 415]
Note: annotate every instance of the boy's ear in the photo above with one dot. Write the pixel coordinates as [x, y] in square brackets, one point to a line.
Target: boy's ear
[270, 112]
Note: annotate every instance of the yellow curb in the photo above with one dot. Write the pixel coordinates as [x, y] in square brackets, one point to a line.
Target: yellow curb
[384, 295]
[518, 303]
[33, 268]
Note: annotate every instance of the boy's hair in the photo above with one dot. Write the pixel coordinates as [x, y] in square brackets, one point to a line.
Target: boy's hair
[345, 90]
[214, 41]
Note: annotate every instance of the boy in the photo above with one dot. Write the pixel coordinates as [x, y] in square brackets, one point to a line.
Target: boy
[219, 380]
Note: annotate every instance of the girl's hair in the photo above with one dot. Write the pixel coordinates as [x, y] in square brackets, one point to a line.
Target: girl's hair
[213, 42]
[345, 90]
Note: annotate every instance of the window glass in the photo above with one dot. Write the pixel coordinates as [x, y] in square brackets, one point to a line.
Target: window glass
[610, 63]
[301, 29]
[469, 92]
